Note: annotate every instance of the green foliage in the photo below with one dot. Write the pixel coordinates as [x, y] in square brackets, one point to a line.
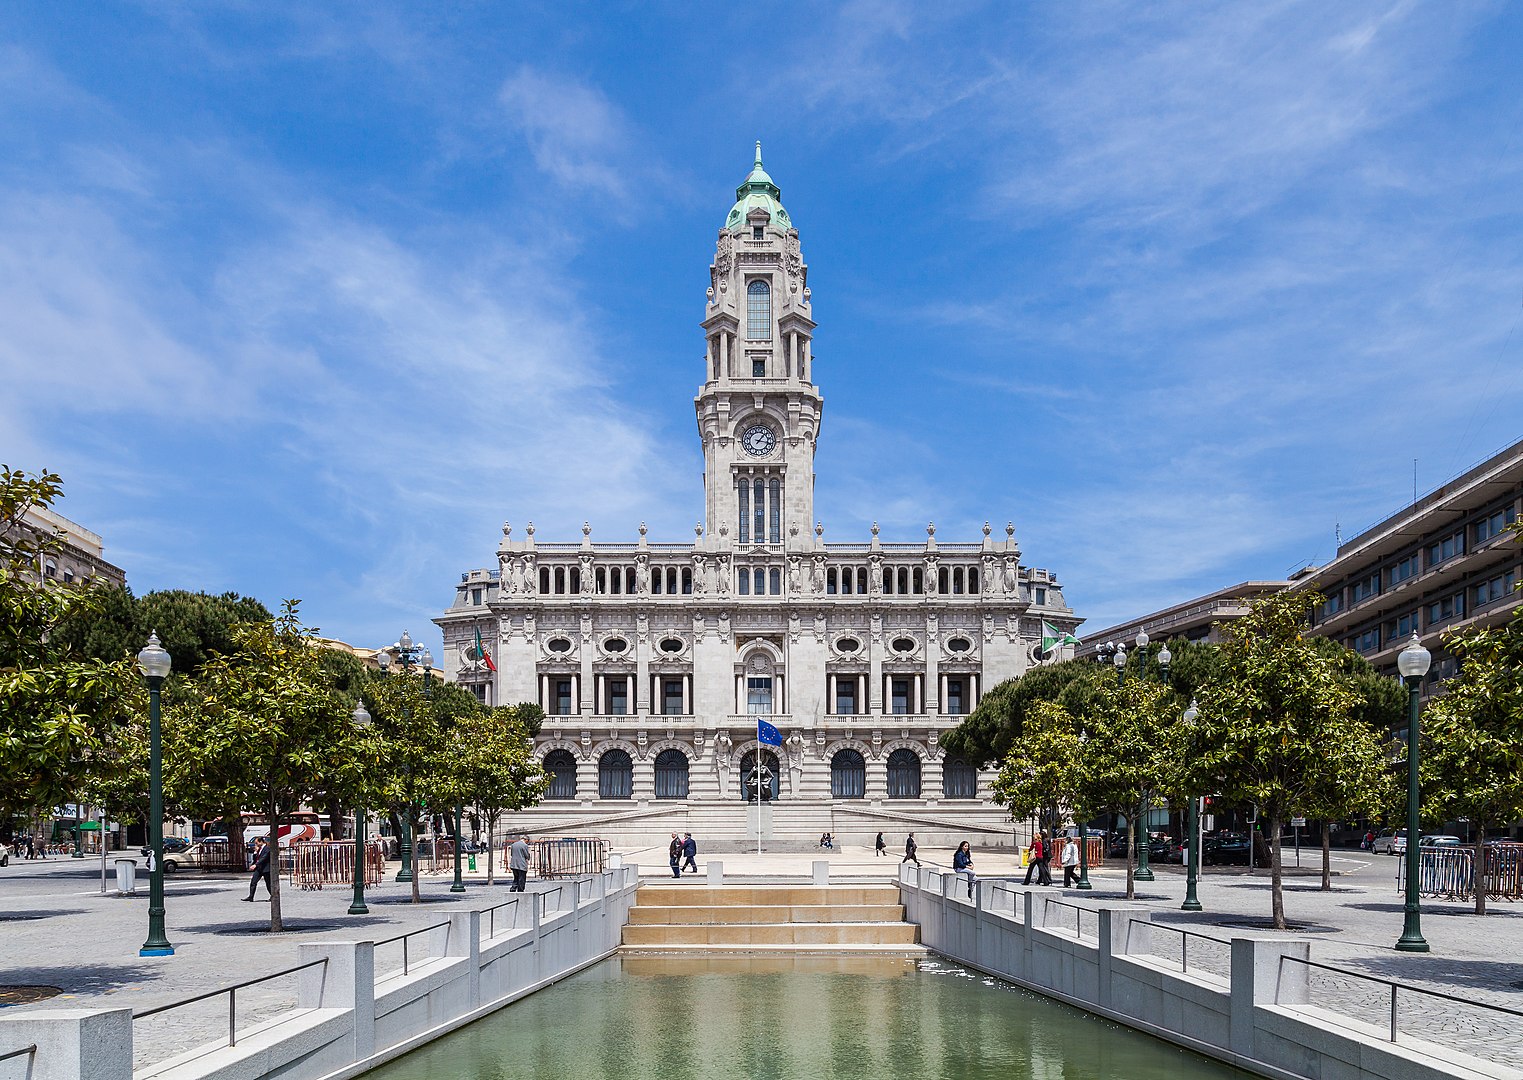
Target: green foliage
[192, 626]
[59, 713]
[262, 727]
[993, 727]
[489, 764]
[1275, 725]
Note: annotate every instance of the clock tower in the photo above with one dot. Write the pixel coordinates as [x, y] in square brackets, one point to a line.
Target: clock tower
[759, 410]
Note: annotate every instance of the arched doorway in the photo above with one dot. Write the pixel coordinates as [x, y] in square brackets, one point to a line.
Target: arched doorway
[770, 776]
[904, 774]
[616, 772]
[671, 775]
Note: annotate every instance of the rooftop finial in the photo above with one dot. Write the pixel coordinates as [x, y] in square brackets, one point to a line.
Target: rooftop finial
[758, 154]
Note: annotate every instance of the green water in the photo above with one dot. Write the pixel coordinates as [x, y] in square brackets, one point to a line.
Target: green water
[793, 1019]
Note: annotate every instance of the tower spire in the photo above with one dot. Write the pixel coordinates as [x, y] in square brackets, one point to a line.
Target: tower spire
[758, 154]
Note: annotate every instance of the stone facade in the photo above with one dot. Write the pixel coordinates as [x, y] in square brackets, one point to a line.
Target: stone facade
[654, 661]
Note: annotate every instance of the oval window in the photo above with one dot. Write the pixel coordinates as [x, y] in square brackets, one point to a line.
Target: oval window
[559, 644]
[904, 644]
[959, 644]
[671, 645]
[848, 644]
[615, 644]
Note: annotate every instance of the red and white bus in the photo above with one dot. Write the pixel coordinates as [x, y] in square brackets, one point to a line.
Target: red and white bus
[297, 827]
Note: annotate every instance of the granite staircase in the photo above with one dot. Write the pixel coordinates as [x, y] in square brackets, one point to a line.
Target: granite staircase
[714, 920]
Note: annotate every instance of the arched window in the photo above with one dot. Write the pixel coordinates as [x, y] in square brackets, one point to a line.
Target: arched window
[830, 581]
[770, 776]
[959, 780]
[616, 775]
[561, 766]
[848, 775]
[904, 774]
[671, 775]
[745, 510]
[544, 580]
[972, 579]
[758, 311]
[775, 511]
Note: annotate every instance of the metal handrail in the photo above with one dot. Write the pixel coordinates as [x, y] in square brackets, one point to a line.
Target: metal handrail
[25, 1050]
[1394, 985]
[491, 914]
[1184, 943]
[1078, 916]
[232, 997]
[403, 939]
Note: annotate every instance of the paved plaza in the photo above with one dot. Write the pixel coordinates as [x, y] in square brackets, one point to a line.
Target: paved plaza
[60, 931]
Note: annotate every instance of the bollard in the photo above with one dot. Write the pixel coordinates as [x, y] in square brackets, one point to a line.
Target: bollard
[716, 871]
[822, 872]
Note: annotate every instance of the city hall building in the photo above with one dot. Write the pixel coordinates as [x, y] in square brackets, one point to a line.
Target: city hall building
[653, 661]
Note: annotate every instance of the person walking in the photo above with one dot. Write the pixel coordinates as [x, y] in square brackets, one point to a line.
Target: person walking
[962, 863]
[1034, 864]
[261, 869]
[880, 847]
[689, 852]
[909, 850]
[1070, 863]
[674, 855]
[518, 862]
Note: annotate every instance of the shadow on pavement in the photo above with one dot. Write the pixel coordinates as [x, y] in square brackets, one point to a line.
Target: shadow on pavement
[89, 978]
[1466, 974]
[28, 915]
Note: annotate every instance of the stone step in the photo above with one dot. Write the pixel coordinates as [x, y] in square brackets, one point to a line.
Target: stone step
[652, 915]
[746, 934]
[696, 895]
[778, 954]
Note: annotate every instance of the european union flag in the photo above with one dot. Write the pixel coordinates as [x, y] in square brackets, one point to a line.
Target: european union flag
[768, 735]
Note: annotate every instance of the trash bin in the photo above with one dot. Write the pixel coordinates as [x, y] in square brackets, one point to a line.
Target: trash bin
[126, 876]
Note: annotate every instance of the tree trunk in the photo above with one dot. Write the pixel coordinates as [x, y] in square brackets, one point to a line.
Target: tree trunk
[1327, 857]
[1478, 868]
[1276, 877]
[274, 839]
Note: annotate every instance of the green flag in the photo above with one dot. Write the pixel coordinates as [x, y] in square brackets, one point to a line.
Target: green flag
[1053, 637]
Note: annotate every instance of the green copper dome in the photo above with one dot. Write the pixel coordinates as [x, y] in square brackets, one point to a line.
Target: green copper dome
[758, 190]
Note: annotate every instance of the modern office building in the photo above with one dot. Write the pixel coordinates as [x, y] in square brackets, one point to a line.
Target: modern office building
[1199, 619]
[1444, 563]
[654, 662]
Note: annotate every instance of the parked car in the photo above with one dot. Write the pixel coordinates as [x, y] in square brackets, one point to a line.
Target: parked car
[1391, 842]
[173, 845]
[1117, 847]
[1225, 848]
[209, 853]
[1438, 841]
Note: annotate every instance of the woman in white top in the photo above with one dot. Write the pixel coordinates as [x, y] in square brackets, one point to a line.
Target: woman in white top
[1070, 863]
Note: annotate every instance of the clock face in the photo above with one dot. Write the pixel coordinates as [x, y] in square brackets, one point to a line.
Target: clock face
[759, 440]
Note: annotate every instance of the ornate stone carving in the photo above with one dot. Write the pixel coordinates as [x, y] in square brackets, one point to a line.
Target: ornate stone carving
[724, 255]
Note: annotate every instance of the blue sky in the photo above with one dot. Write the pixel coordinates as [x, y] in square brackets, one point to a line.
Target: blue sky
[306, 300]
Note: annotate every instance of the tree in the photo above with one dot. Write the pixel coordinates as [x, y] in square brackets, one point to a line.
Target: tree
[192, 626]
[414, 718]
[1267, 722]
[1041, 770]
[490, 765]
[1472, 745]
[263, 726]
[60, 714]
[993, 727]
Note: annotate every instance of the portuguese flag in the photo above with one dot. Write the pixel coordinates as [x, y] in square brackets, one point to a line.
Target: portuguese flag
[481, 654]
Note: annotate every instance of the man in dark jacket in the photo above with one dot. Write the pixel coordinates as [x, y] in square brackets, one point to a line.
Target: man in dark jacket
[689, 852]
[909, 850]
[261, 869]
[674, 855]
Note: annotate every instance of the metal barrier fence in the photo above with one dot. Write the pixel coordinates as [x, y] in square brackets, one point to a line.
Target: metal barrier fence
[570, 856]
[1448, 873]
[232, 997]
[319, 863]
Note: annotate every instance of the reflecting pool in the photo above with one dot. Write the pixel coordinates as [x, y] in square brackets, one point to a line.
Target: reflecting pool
[793, 1018]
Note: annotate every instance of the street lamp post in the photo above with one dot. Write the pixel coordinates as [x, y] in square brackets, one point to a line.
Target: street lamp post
[1083, 883]
[1192, 833]
[408, 654]
[458, 886]
[154, 662]
[357, 906]
[1413, 664]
